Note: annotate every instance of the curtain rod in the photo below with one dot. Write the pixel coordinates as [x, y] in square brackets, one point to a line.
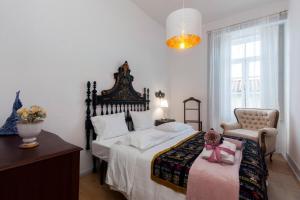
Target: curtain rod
[247, 21]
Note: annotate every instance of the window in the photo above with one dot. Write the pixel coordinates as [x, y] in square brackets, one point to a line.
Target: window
[245, 71]
[246, 67]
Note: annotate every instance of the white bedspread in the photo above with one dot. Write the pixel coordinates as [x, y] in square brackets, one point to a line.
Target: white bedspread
[101, 148]
[129, 171]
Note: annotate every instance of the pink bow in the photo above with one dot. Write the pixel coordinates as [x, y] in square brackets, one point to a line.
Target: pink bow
[216, 154]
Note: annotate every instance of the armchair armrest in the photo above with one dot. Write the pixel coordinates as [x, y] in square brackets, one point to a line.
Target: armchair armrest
[263, 133]
[230, 126]
[268, 131]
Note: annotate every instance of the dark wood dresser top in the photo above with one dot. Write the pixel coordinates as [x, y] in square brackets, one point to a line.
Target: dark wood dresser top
[51, 145]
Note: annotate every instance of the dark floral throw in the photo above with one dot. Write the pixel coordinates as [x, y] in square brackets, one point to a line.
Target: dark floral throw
[171, 167]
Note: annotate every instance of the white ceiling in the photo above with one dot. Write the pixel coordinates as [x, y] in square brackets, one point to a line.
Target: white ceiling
[210, 9]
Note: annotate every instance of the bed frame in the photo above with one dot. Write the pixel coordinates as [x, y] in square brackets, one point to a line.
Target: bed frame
[121, 98]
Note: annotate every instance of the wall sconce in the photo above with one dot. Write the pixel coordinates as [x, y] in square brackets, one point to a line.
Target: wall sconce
[160, 94]
[163, 102]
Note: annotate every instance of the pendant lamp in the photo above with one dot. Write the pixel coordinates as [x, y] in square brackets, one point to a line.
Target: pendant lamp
[184, 28]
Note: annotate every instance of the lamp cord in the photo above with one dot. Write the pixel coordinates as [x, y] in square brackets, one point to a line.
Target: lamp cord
[183, 16]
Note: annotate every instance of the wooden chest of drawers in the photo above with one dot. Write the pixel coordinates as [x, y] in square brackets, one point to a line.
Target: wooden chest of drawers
[47, 172]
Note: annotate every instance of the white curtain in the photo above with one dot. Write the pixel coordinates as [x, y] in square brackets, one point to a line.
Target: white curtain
[265, 53]
[270, 66]
[220, 82]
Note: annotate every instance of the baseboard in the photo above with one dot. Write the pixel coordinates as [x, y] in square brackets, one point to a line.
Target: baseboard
[293, 166]
[85, 171]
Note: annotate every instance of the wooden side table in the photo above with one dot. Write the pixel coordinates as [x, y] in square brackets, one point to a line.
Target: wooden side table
[47, 172]
[163, 121]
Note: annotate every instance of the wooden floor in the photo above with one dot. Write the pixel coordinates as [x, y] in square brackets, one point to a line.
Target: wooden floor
[282, 184]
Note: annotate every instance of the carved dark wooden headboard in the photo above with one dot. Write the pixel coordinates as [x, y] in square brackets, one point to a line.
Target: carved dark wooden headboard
[121, 98]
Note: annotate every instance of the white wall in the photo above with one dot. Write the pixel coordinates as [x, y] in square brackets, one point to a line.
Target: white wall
[187, 79]
[188, 69]
[50, 48]
[294, 136]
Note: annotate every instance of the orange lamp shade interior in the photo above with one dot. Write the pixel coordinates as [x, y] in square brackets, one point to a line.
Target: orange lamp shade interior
[183, 41]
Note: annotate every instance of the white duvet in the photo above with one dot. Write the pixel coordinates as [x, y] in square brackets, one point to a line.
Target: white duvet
[146, 139]
[129, 169]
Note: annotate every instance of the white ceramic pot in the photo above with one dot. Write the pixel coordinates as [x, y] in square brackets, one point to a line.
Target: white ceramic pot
[29, 132]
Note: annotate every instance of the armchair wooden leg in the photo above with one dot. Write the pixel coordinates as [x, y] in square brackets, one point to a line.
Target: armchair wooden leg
[271, 154]
[263, 143]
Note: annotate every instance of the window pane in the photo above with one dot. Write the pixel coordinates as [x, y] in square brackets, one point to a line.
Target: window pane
[237, 101]
[236, 85]
[254, 84]
[237, 51]
[245, 73]
[237, 93]
[236, 70]
[237, 97]
[253, 49]
[253, 100]
[253, 90]
[254, 69]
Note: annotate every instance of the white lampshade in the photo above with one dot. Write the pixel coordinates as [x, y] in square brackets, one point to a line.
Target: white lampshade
[164, 103]
[184, 28]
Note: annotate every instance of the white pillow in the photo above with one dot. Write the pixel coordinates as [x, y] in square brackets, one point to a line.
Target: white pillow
[173, 127]
[142, 120]
[110, 126]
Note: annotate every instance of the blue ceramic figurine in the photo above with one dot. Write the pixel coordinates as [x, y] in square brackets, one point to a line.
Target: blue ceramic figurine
[10, 126]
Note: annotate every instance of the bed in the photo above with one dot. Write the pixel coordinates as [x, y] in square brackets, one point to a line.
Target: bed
[125, 166]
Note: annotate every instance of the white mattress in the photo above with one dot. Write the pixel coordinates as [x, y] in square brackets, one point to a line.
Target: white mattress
[100, 148]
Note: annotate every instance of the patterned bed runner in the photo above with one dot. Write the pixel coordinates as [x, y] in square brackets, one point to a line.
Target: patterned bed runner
[171, 167]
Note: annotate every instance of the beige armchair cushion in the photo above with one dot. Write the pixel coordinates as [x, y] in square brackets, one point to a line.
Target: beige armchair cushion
[244, 133]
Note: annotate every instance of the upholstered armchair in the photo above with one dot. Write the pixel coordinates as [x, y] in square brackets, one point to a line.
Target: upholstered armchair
[259, 125]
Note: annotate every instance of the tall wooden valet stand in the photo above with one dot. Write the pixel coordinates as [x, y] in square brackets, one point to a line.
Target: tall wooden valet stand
[195, 109]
